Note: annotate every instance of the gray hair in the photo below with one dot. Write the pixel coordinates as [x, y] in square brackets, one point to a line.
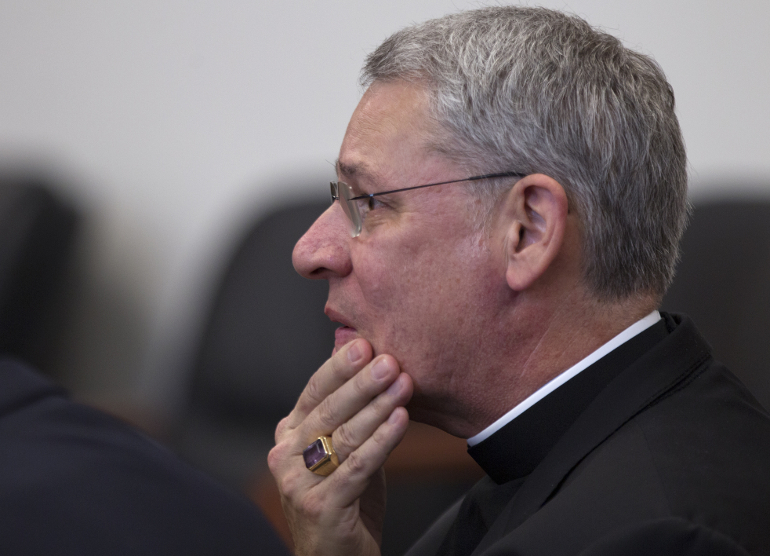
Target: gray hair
[534, 90]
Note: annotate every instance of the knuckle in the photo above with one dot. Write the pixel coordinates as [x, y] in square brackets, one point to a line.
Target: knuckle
[277, 458]
[342, 370]
[361, 385]
[274, 459]
[356, 464]
[313, 389]
[383, 403]
[380, 436]
[326, 412]
[344, 438]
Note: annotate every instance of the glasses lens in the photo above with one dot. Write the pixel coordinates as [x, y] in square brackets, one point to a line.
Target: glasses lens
[350, 208]
[335, 195]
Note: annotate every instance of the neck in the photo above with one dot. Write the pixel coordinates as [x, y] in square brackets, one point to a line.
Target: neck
[541, 342]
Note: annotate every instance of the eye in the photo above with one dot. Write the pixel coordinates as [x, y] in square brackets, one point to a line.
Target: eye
[368, 204]
[373, 203]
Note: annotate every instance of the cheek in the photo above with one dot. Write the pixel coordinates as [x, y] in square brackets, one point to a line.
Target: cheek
[385, 277]
[395, 273]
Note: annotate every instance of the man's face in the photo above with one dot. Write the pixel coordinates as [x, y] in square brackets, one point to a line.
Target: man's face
[422, 282]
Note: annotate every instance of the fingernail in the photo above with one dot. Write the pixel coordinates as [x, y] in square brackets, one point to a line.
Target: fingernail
[393, 419]
[381, 368]
[394, 388]
[355, 352]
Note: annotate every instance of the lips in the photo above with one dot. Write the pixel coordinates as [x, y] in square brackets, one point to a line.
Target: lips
[344, 333]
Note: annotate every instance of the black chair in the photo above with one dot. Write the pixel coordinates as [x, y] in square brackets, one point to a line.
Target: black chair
[723, 283]
[265, 334]
[37, 236]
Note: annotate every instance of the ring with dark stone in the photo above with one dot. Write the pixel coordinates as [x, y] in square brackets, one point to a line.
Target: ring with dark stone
[320, 457]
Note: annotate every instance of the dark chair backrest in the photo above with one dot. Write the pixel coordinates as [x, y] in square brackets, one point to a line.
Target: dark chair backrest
[265, 334]
[37, 236]
[723, 283]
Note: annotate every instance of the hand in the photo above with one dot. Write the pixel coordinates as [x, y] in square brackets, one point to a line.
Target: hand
[360, 403]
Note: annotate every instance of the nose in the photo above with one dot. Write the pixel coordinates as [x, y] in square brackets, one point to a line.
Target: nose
[323, 252]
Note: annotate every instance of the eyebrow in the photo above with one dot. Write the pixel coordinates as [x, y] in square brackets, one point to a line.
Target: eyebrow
[348, 169]
[359, 171]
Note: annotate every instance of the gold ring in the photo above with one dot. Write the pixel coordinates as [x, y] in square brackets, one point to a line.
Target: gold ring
[320, 457]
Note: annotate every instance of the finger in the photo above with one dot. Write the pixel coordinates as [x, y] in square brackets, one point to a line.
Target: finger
[369, 386]
[335, 372]
[351, 479]
[355, 431]
[350, 398]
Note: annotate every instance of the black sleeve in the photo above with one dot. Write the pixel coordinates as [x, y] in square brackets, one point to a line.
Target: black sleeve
[666, 537]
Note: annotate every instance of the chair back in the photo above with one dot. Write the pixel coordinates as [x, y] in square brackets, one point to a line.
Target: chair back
[264, 336]
[723, 283]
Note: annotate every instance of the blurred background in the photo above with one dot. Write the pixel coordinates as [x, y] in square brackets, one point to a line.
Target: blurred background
[142, 142]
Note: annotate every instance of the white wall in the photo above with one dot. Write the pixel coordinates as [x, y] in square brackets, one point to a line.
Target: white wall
[170, 121]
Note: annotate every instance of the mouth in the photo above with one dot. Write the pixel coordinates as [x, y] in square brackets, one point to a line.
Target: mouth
[345, 333]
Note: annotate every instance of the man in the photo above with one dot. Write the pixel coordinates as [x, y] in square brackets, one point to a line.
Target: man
[507, 293]
[76, 481]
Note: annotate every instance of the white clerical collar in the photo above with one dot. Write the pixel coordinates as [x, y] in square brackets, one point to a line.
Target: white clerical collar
[554, 383]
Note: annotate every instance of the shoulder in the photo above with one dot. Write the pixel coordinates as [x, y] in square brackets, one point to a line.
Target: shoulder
[693, 465]
[665, 537]
[75, 477]
[675, 444]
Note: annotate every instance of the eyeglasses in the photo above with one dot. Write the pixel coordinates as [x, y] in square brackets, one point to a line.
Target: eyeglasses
[356, 208]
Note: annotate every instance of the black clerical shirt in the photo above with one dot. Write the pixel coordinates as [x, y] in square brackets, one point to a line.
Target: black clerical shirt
[509, 455]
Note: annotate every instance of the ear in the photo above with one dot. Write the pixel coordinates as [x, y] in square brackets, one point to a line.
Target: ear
[535, 222]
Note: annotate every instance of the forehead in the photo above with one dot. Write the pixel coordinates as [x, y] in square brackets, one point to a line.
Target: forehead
[389, 129]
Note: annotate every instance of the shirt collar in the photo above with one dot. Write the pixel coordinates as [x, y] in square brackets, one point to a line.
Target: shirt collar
[519, 446]
[636, 328]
